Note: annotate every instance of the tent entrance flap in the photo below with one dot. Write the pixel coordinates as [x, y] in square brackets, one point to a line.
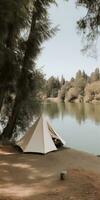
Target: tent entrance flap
[55, 138]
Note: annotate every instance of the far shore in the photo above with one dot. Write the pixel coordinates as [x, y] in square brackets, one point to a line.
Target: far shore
[53, 99]
[57, 100]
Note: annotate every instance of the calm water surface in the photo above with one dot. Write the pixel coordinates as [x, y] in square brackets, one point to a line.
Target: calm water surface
[78, 124]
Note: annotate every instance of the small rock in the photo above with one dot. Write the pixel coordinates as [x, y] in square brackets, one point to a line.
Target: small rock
[63, 175]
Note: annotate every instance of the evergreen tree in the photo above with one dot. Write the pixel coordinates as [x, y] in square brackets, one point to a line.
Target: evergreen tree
[78, 74]
[40, 31]
[62, 93]
[52, 87]
[95, 75]
[62, 81]
[14, 17]
[89, 25]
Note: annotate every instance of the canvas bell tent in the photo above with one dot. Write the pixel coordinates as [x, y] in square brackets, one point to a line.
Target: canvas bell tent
[40, 138]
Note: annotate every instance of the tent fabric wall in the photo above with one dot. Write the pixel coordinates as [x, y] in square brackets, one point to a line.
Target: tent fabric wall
[38, 138]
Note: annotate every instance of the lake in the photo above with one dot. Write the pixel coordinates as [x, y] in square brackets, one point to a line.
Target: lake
[77, 123]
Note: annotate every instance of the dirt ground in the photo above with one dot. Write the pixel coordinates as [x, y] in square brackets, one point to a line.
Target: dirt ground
[36, 177]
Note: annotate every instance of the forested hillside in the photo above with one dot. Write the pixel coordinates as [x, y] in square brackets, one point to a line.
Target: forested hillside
[82, 88]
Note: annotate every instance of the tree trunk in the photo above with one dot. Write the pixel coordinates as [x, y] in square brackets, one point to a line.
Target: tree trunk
[8, 130]
[2, 95]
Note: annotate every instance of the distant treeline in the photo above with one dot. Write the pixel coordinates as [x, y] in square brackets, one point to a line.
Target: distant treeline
[81, 88]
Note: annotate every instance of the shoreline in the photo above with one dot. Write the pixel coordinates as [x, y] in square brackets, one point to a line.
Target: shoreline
[9, 149]
[57, 100]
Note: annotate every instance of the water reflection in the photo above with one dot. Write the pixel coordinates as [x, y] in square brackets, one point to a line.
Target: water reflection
[77, 123]
[51, 109]
[79, 111]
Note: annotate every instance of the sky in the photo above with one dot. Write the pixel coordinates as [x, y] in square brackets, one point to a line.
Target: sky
[62, 54]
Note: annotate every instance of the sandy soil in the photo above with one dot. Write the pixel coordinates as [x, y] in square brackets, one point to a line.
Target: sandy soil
[35, 177]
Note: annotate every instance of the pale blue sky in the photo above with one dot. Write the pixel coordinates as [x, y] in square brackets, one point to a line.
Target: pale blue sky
[62, 54]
